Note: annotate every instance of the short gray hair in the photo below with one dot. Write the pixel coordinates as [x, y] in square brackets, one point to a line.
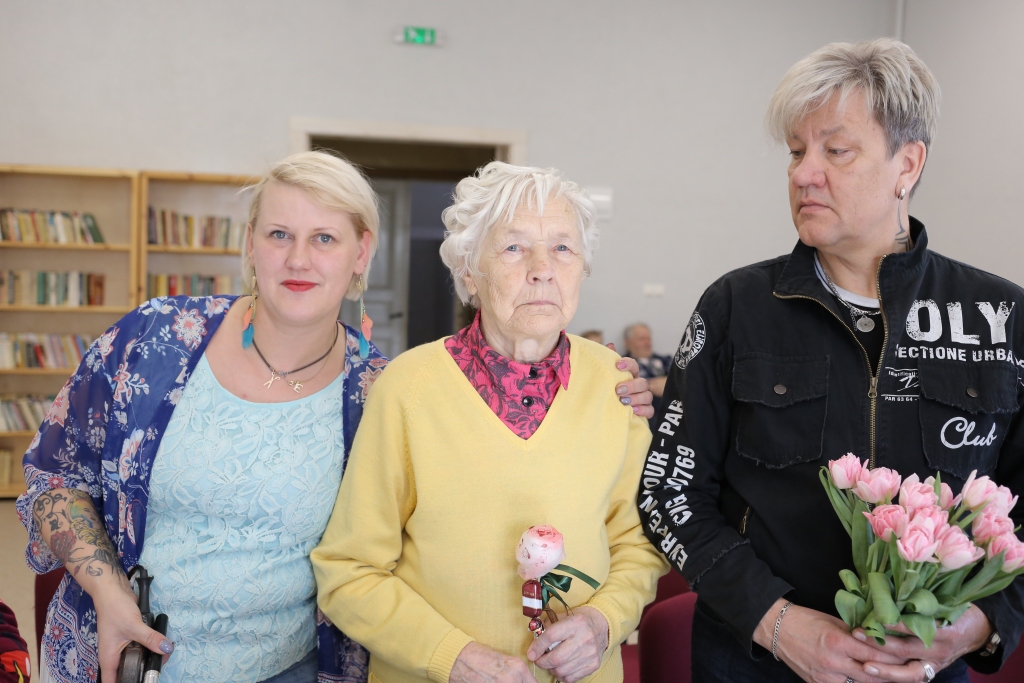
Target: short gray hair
[898, 87]
[628, 332]
[490, 198]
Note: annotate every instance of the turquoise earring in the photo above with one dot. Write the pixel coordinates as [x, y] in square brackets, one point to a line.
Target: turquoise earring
[250, 315]
[365, 325]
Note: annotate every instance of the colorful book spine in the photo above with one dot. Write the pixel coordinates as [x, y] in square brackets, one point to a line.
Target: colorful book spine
[49, 227]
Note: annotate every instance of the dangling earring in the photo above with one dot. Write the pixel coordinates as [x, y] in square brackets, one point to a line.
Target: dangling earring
[365, 325]
[250, 315]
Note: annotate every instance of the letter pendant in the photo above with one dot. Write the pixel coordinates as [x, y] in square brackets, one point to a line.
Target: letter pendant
[269, 382]
[297, 386]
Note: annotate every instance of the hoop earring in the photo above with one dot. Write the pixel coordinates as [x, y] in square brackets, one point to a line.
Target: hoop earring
[903, 193]
[365, 325]
[250, 315]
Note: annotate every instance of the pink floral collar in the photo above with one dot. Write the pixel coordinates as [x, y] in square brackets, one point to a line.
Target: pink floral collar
[520, 394]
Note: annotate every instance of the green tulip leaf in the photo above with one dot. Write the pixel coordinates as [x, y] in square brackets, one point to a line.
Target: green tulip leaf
[851, 582]
[923, 627]
[907, 584]
[923, 602]
[873, 628]
[881, 599]
[850, 607]
[981, 579]
[860, 531]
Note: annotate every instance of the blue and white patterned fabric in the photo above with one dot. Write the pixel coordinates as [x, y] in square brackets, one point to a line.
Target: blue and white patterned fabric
[239, 495]
[102, 434]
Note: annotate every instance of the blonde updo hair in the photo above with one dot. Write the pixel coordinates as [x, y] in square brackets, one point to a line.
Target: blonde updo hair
[331, 182]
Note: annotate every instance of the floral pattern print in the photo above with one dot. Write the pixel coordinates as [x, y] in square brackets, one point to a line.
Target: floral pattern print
[102, 436]
[520, 394]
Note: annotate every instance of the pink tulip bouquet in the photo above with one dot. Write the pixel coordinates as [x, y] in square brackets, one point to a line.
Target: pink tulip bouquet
[915, 561]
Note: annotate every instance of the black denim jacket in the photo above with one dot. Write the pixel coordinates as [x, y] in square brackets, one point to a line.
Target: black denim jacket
[769, 383]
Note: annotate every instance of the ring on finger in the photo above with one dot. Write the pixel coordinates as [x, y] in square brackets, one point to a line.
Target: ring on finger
[929, 670]
[850, 680]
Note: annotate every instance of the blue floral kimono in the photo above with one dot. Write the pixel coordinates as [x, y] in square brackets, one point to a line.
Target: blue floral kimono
[102, 434]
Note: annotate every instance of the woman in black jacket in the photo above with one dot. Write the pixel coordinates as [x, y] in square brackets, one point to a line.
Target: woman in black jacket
[860, 340]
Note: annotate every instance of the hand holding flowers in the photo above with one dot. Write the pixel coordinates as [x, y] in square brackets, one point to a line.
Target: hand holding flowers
[915, 563]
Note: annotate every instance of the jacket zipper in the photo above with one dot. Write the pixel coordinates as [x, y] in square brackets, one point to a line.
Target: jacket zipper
[873, 381]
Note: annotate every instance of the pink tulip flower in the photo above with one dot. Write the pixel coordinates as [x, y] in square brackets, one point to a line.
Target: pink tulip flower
[933, 516]
[914, 494]
[918, 543]
[888, 519]
[1014, 551]
[956, 549]
[977, 491]
[540, 550]
[847, 471]
[1002, 500]
[946, 499]
[879, 485]
[990, 524]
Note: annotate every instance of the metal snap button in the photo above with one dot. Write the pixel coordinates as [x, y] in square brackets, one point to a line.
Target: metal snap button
[527, 401]
[972, 392]
[780, 389]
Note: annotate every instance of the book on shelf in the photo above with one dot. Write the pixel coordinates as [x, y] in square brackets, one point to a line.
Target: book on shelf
[51, 288]
[32, 350]
[160, 284]
[6, 466]
[170, 228]
[23, 413]
[49, 227]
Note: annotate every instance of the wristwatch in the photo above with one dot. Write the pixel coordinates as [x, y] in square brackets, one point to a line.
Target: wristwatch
[991, 645]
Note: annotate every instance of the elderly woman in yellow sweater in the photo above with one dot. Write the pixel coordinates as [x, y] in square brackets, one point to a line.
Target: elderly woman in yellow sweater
[468, 441]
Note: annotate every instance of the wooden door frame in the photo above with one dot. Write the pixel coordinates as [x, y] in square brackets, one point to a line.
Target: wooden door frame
[509, 144]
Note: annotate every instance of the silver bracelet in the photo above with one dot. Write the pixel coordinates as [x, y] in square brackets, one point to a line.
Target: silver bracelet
[778, 625]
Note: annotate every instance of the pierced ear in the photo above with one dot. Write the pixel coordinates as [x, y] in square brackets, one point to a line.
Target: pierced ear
[914, 156]
[363, 260]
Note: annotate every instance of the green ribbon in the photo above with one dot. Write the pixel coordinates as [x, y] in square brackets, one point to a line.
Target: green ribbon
[552, 585]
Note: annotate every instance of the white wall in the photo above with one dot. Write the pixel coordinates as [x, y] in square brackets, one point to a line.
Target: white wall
[662, 101]
[972, 195]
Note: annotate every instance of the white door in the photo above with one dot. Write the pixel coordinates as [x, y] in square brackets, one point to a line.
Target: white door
[387, 296]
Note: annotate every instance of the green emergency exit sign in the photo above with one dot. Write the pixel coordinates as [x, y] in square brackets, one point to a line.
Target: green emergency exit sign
[419, 35]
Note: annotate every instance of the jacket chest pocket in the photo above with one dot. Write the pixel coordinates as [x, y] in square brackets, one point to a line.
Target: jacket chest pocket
[965, 409]
[780, 407]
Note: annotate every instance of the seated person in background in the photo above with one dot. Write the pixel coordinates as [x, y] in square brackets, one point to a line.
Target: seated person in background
[14, 662]
[653, 368]
[594, 336]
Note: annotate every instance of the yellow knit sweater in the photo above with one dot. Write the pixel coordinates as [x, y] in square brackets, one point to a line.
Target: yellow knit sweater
[418, 559]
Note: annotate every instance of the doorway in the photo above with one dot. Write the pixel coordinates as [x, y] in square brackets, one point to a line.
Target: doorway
[411, 297]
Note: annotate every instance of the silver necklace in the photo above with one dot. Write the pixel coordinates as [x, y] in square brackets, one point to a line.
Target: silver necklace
[860, 316]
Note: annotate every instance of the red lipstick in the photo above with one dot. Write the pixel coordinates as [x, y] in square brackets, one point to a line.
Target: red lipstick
[299, 285]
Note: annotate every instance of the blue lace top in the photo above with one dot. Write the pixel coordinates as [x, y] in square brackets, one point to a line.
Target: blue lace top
[239, 495]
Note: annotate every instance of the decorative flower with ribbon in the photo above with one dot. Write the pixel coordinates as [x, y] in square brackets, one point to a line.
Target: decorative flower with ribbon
[540, 551]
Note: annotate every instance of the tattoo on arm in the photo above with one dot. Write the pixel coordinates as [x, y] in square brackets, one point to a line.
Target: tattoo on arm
[75, 533]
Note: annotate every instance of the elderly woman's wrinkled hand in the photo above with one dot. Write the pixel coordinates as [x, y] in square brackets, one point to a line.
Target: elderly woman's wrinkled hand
[582, 640]
[480, 664]
[635, 392]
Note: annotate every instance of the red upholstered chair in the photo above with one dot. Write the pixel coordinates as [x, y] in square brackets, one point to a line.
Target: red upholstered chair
[665, 640]
[46, 586]
[1012, 671]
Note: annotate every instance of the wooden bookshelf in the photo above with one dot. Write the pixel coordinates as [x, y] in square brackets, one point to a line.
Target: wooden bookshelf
[72, 247]
[11, 489]
[37, 372]
[111, 196]
[197, 194]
